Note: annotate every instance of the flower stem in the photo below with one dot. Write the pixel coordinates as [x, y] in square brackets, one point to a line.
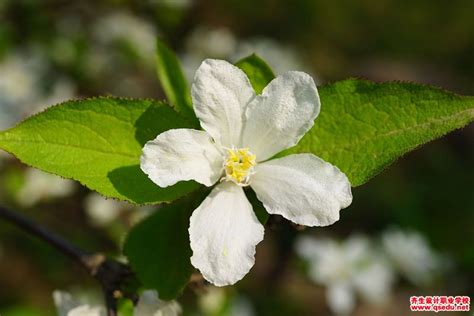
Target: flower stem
[111, 274]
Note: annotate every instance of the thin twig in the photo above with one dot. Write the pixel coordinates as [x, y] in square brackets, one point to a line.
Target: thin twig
[32, 228]
[110, 302]
[111, 274]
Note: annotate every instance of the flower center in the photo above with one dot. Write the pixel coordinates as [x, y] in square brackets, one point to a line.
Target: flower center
[239, 165]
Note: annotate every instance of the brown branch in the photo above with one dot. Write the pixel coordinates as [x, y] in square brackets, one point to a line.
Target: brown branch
[111, 274]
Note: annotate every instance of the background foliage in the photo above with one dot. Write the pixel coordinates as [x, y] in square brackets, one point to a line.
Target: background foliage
[70, 49]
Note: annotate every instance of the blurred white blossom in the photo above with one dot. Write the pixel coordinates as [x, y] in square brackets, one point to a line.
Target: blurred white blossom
[40, 186]
[120, 36]
[22, 90]
[63, 90]
[281, 58]
[218, 301]
[19, 85]
[18, 82]
[124, 27]
[221, 43]
[204, 43]
[150, 305]
[103, 211]
[411, 255]
[66, 305]
[346, 268]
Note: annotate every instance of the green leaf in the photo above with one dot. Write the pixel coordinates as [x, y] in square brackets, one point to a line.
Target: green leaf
[258, 71]
[258, 208]
[363, 126]
[158, 248]
[98, 142]
[173, 81]
[125, 307]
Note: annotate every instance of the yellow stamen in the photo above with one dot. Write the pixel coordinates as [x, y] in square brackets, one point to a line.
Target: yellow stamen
[239, 165]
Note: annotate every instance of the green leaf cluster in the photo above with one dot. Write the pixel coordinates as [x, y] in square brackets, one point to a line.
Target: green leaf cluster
[363, 127]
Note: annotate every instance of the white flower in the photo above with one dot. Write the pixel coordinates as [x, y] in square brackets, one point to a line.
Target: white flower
[150, 305]
[139, 33]
[217, 301]
[21, 87]
[347, 268]
[66, 305]
[281, 57]
[40, 186]
[62, 90]
[242, 131]
[411, 254]
[18, 87]
[204, 42]
[17, 83]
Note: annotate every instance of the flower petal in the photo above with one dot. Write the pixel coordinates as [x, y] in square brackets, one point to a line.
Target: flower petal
[64, 302]
[224, 232]
[86, 310]
[220, 94]
[302, 188]
[182, 154]
[66, 305]
[311, 248]
[150, 305]
[340, 298]
[281, 115]
[374, 281]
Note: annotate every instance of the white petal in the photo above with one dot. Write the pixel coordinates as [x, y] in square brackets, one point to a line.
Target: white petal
[412, 255]
[86, 310]
[64, 302]
[150, 305]
[182, 154]
[330, 266]
[311, 248]
[224, 232]
[374, 281]
[66, 305]
[357, 248]
[302, 188]
[40, 186]
[220, 94]
[340, 297]
[281, 115]
[171, 308]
